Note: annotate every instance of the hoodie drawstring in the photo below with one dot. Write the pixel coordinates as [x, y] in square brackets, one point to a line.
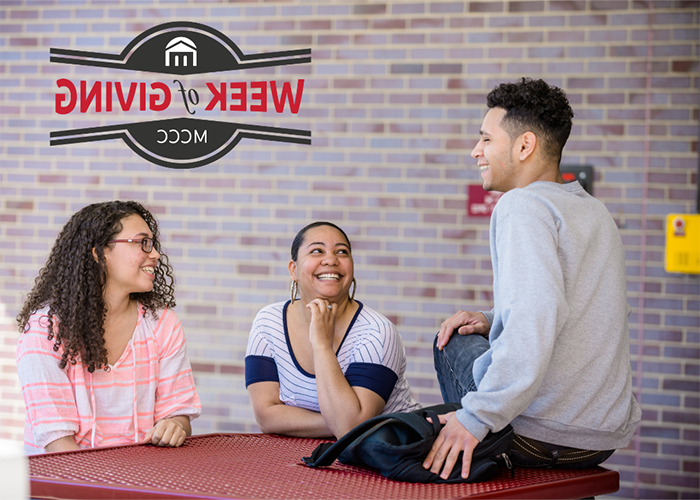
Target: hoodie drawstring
[136, 415]
[94, 413]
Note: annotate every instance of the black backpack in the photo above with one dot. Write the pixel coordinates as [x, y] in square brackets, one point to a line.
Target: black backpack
[397, 443]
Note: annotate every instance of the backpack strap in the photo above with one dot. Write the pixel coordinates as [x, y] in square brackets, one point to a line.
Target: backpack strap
[326, 453]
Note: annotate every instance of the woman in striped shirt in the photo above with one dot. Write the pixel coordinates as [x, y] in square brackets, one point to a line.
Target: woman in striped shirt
[102, 358]
[320, 364]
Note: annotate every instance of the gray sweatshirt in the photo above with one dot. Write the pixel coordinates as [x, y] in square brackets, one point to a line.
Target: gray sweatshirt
[558, 368]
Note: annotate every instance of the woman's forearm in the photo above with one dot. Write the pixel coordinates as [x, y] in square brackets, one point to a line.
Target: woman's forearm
[274, 417]
[341, 407]
[66, 443]
[292, 421]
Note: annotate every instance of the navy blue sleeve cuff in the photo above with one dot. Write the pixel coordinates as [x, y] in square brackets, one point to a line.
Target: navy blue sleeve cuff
[260, 369]
[376, 378]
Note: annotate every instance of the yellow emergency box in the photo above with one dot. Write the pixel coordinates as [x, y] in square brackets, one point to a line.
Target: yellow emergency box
[683, 243]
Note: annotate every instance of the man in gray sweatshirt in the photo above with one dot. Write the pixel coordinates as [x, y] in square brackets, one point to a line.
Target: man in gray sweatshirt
[552, 357]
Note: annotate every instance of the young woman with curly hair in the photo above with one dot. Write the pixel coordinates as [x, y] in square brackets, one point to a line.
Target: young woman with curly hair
[102, 357]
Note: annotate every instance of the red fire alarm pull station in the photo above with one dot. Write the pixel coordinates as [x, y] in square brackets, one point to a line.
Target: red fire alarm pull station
[581, 173]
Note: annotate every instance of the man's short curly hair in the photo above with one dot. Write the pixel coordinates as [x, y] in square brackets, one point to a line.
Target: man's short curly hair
[72, 283]
[534, 106]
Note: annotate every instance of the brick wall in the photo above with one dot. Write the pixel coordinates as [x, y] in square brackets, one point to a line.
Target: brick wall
[394, 98]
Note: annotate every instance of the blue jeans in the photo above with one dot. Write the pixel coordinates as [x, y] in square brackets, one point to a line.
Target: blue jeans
[454, 367]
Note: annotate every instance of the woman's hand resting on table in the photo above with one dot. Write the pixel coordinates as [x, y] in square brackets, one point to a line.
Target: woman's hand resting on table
[169, 432]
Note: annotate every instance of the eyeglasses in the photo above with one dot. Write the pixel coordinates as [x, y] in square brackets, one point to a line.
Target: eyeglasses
[147, 244]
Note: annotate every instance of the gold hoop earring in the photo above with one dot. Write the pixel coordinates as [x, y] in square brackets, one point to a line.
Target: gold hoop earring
[294, 289]
[354, 289]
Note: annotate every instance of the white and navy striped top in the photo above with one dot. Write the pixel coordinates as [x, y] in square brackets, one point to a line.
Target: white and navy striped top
[371, 355]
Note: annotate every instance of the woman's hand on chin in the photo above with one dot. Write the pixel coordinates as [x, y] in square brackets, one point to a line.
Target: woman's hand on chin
[322, 327]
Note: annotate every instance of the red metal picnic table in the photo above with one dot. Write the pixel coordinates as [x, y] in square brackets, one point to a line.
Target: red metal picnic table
[259, 466]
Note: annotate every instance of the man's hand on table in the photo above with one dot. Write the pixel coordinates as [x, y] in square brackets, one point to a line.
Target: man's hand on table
[452, 440]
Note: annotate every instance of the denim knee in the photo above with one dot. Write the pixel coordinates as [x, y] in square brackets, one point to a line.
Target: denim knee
[454, 364]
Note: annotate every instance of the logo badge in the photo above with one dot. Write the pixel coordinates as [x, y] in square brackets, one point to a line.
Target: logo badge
[179, 48]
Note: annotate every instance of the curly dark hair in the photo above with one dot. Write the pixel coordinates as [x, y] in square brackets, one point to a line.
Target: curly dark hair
[72, 282]
[533, 105]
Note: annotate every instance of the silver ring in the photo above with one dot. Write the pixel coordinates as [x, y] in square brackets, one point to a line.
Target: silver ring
[329, 306]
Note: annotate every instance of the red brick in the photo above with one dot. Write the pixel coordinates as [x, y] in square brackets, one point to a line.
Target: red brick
[315, 25]
[388, 24]
[446, 38]
[681, 417]
[447, 7]
[233, 370]
[588, 20]
[23, 42]
[203, 368]
[526, 6]
[19, 205]
[369, 39]
[419, 292]
[365, 9]
[680, 481]
[466, 22]
[609, 4]
[348, 83]
[607, 98]
[566, 36]
[409, 38]
[195, 309]
[492, 6]
[382, 261]
[24, 14]
[278, 25]
[250, 269]
[568, 5]
[444, 69]
[53, 179]
[255, 240]
[427, 23]
[526, 37]
[411, 8]
[298, 40]
[439, 278]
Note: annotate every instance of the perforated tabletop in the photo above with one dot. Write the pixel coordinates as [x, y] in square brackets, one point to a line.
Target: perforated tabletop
[257, 466]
